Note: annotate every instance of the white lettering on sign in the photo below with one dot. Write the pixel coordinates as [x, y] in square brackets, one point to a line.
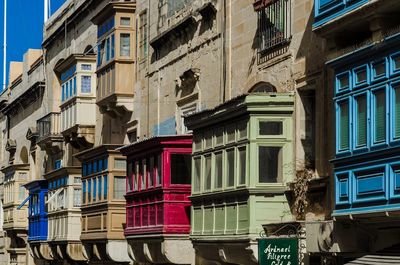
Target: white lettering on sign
[278, 255]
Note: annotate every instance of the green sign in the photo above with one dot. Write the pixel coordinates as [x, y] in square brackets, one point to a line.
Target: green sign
[278, 251]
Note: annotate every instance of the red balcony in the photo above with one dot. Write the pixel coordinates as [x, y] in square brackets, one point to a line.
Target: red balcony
[158, 186]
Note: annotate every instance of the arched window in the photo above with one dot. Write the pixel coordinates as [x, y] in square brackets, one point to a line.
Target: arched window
[262, 87]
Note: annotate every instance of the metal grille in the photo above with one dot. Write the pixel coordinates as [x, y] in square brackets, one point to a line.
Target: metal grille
[274, 24]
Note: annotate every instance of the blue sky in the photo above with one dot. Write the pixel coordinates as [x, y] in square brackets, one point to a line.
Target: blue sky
[25, 25]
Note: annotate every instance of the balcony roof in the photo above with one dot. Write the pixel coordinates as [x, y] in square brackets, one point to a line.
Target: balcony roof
[98, 151]
[156, 141]
[73, 59]
[111, 9]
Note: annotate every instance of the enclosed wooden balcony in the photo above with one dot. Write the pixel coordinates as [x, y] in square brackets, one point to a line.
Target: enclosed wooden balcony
[15, 217]
[158, 206]
[49, 132]
[64, 214]
[103, 204]
[116, 58]
[242, 162]
[78, 97]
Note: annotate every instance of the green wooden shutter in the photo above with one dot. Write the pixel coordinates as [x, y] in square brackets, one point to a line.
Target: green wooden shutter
[397, 112]
[361, 120]
[344, 126]
[380, 116]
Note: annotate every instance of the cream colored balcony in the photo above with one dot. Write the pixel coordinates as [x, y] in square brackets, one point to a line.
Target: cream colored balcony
[15, 217]
[116, 58]
[78, 97]
[50, 138]
[64, 214]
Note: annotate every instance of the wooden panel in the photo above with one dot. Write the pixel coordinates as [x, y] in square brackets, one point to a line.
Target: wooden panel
[117, 219]
[94, 222]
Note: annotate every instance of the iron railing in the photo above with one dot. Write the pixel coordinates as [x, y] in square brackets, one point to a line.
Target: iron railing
[274, 24]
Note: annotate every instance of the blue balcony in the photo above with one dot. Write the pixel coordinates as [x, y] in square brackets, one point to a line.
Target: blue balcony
[327, 10]
[37, 210]
[367, 109]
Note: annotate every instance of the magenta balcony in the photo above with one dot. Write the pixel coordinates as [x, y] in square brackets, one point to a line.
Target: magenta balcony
[158, 186]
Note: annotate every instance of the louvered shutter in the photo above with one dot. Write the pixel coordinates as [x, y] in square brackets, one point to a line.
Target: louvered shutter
[344, 126]
[362, 120]
[380, 116]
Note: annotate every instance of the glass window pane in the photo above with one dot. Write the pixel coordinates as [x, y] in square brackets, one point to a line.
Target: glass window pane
[218, 171]
[137, 175]
[125, 21]
[151, 172]
[379, 69]
[242, 129]
[105, 187]
[94, 189]
[108, 51]
[230, 133]
[230, 168]
[361, 120]
[208, 139]
[125, 41]
[242, 165]
[380, 116]
[119, 163]
[119, 188]
[84, 191]
[344, 126]
[271, 128]
[197, 142]
[77, 198]
[197, 172]
[144, 174]
[159, 170]
[86, 84]
[112, 46]
[130, 175]
[361, 76]
[219, 136]
[269, 164]
[207, 173]
[89, 183]
[99, 187]
[343, 81]
[180, 168]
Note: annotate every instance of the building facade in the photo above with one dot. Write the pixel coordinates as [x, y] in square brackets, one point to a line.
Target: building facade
[145, 129]
[362, 83]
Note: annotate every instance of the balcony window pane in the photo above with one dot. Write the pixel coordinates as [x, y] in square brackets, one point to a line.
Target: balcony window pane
[99, 187]
[84, 191]
[343, 81]
[242, 165]
[125, 49]
[86, 67]
[74, 85]
[94, 189]
[380, 116]
[361, 76]
[197, 142]
[108, 51]
[77, 197]
[361, 120]
[105, 187]
[180, 168]
[208, 139]
[218, 171]
[144, 174]
[119, 188]
[397, 111]
[89, 183]
[230, 167]
[207, 173]
[269, 164]
[271, 128]
[120, 164]
[86, 84]
[219, 136]
[379, 69]
[61, 200]
[242, 129]
[130, 175]
[230, 133]
[151, 172]
[137, 176]
[196, 175]
[159, 170]
[21, 193]
[112, 46]
[344, 126]
[125, 21]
